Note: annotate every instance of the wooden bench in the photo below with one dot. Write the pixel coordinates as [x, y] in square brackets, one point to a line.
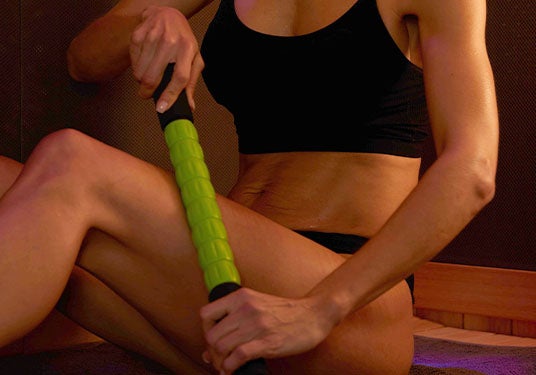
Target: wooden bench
[477, 298]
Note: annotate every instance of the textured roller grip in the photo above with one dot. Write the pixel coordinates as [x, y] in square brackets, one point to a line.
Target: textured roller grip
[199, 200]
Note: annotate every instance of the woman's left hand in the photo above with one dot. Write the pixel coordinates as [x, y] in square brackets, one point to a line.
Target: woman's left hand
[247, 325]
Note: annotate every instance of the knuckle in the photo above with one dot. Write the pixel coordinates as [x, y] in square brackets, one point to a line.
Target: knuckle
[153, 36]
[220, 347]
[137, 38]
[201, 63]
[203, 313]
[210, 340]
[150, 9]
[243, 292]
[168, 41]
[241, 354]
[177, 83]
[148, 82]
[191, 46]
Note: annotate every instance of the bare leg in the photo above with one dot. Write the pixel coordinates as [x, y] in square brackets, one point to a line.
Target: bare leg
[34, 262]
[90, 302]
[89, 184]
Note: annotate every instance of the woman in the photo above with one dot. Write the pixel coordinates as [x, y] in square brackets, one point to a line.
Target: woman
[358, 83]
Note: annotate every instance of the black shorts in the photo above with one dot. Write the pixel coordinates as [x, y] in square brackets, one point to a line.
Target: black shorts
[344, 244]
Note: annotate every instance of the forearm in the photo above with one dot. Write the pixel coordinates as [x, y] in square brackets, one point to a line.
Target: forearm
[101, 51]
[443, 203]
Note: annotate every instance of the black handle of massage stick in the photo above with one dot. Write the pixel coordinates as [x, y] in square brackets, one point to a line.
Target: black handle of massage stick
[180, 110]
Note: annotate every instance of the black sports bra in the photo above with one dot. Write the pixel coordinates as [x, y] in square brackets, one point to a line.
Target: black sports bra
[346, 87]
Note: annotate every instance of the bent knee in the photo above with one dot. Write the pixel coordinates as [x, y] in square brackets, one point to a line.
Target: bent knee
[61, 147]
[383, 333]
[62, 152]
[58, 163]
[377, 339]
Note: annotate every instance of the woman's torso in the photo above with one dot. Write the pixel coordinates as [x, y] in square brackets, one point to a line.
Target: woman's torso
[329, 191]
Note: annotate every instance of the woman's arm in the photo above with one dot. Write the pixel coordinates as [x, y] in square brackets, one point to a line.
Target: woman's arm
[147, 34]
[461, 99]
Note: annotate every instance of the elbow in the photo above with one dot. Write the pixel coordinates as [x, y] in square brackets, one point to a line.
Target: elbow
[74, 66]
[72, 69]
[485, 190]
[85, 67]
[483, 182]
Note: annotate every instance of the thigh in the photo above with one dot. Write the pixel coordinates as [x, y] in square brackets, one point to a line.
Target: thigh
[170, 295]
[165, 283]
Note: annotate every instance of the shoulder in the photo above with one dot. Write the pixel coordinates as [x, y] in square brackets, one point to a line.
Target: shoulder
[442, 16]
[453, 27]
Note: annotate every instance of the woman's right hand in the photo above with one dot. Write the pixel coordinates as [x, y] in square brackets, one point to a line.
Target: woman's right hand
[165, 36]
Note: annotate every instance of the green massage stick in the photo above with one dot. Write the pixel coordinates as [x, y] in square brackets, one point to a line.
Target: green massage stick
[199, 200]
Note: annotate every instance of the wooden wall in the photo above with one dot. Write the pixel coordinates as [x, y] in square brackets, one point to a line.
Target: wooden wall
[477, 298]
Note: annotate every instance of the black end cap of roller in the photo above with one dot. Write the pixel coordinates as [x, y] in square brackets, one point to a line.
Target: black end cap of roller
[222, 290]
[180, 109]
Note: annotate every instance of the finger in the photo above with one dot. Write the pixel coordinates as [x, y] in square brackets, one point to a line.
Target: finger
[209, 318]
[197, 67]
[182, 74]
[233, 331]
[212, 359]
[206, 357]
[172, 91]
[243, 354]
[134, 52]
[136, 43]
[223, 336]
[151, 66]
[216, 310]
[142, 49]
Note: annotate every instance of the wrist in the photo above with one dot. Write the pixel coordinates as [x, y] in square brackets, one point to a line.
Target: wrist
[331, 307]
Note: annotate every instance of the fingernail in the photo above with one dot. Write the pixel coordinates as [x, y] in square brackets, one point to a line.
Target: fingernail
[162, 106]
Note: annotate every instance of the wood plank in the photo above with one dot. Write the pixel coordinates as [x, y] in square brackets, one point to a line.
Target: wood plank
[427, 328]
[422, 325]
[445, 318]
[486, 291]
[524, 329]
[487, 324]
[477, 337]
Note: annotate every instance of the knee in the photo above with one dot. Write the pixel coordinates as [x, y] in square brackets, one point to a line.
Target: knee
[59, 151]
[58, 162]
[64, 143]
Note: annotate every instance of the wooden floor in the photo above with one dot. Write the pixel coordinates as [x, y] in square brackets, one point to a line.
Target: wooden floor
[427, 328]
